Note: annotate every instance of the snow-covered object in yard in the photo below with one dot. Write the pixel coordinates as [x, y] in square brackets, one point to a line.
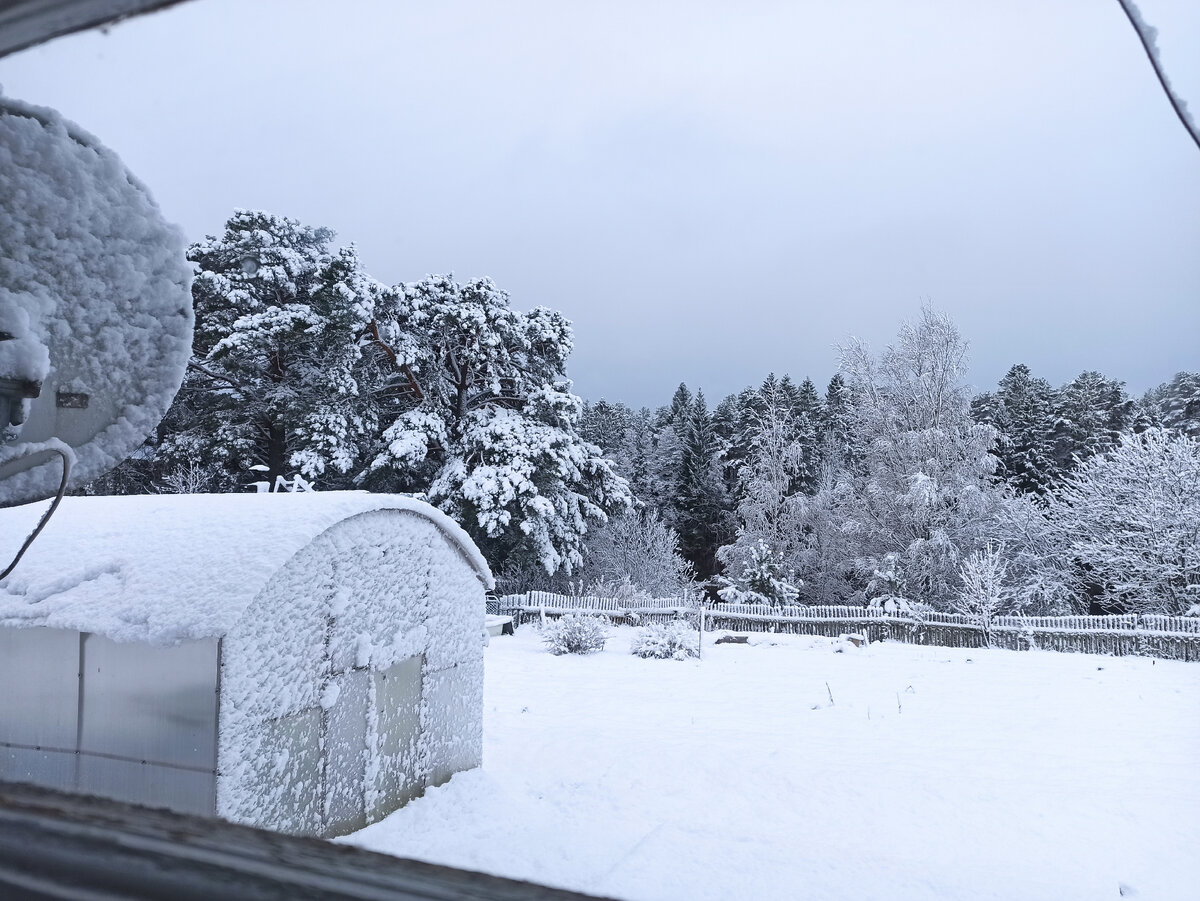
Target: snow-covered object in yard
[302, 662]
[95, 308]
[576, 633]
[662, 641]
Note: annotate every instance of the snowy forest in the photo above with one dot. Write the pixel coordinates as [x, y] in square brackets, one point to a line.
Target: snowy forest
[891, 485]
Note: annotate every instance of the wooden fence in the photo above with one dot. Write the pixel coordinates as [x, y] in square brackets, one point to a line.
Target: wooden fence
[1148, 635]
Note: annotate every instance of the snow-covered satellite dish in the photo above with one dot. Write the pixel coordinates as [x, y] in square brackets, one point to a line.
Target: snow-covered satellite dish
[95, 305]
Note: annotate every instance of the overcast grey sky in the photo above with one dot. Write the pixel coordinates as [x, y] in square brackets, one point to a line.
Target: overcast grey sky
[708, 190]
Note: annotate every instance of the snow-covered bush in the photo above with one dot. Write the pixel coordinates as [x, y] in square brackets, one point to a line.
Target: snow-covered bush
[762, 581]
[985, 592]
[886, 589]
[675, 640]
[576, 633]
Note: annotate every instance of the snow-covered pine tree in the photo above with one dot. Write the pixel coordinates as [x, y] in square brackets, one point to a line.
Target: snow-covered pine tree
[1175, 404]
[276, 377]
[761, 580]
[681, 407]
[835, 427]
[634, 459]
[810, 416]
[778, 466]
[729, 422]
[1021, 411]
[808, 403]
[605, 424]
[703, 507]
[492, 433]
[1090, 412]
[663, 469]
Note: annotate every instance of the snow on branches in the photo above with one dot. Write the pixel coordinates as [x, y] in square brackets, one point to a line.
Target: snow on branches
[276, 378]
[494, 435]
[918, 495]
[1130, 520]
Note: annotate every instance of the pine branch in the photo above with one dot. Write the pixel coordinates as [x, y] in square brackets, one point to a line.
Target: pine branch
[197, 366]
[373, 328]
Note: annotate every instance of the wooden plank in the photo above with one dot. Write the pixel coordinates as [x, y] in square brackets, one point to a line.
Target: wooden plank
[55, 845]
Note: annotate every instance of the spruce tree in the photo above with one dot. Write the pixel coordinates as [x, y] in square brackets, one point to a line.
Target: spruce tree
[1175, 405]
[702, 503]
[1021, 411]
[1090, 412]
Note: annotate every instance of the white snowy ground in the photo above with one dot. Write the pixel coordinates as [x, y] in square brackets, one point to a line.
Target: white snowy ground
[998, 775]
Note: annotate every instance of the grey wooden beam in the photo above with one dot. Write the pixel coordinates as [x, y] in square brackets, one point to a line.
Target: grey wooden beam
[55, 846]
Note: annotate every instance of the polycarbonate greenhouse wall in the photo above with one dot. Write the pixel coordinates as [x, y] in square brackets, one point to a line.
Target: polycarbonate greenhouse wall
[139, 723]
[129, 721]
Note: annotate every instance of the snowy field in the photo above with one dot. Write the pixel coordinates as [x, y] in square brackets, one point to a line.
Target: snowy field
[934, 773]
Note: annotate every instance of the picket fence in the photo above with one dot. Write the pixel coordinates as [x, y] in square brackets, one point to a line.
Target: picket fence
[1147, 635]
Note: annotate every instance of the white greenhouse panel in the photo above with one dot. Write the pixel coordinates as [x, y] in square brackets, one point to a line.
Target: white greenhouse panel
[53, 769]
[346, 753]
[44, 663]
[398, 776]
[143, 702]
[184, 791]
[453, 730]
[288, 782]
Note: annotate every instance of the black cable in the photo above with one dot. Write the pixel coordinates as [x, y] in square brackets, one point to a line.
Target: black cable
[62, 489]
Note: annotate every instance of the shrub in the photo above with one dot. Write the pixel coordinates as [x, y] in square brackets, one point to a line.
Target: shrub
[676, 640]
[985, 592]
[576, 633]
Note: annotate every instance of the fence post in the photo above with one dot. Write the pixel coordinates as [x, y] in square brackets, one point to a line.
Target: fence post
[700, 639]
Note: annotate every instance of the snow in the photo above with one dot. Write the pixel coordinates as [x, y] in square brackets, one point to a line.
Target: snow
[22, 356]
[167, 568]
[805, 767]
[96, 294]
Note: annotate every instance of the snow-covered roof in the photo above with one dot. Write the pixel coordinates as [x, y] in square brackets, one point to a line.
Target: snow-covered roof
[166, 568]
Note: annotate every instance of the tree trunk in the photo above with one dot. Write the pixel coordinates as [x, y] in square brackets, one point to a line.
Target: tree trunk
[276, 451]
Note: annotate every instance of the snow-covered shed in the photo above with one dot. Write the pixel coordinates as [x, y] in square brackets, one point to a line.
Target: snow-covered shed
[302, 662]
